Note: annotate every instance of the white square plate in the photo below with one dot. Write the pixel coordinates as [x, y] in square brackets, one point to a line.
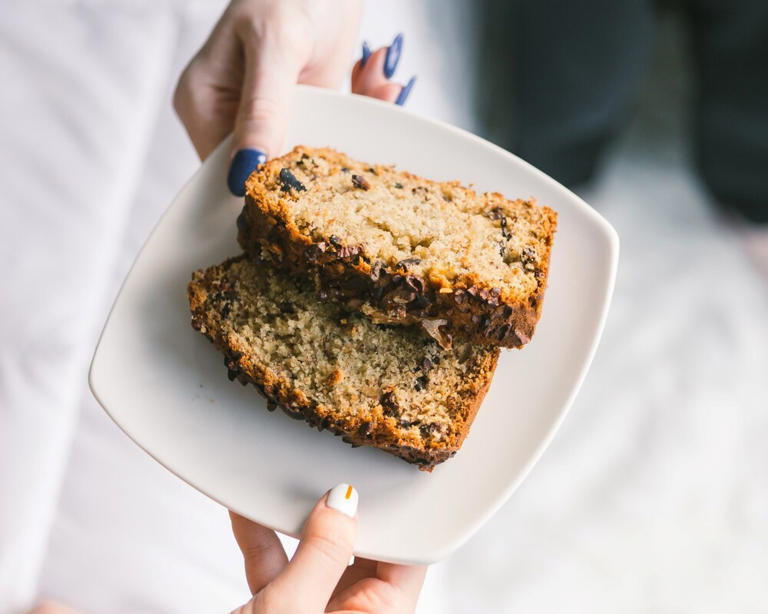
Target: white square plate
[167, 387]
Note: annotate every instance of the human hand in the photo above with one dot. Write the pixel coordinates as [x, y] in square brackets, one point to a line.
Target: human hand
[242, 78]
[318, 579]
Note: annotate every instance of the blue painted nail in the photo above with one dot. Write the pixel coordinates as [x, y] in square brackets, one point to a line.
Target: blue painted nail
[243, 164]
[403, 96]
[393, 56]
[366, 53]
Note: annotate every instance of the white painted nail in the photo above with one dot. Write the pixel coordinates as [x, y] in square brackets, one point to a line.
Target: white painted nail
[343, 498]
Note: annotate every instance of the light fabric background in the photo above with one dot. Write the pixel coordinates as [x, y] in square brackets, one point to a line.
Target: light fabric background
[652, 498]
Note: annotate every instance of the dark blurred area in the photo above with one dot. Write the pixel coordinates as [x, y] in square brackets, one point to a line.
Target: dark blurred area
[558, 80]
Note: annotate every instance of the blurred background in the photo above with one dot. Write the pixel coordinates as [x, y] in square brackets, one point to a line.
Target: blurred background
[653, 497]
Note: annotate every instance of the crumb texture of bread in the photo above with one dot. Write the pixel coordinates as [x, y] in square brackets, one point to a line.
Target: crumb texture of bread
[391, 387]
[400, 248]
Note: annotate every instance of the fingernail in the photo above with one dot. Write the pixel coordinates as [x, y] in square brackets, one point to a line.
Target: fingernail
[343, 498]
[393, 56]
[366, 53]
[405, 92]
[243, 164]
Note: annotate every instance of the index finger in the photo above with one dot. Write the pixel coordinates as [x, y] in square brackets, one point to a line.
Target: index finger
[263, 554]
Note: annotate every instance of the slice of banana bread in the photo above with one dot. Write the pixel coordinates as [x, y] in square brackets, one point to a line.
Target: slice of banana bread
[400, 248]
[391, 387]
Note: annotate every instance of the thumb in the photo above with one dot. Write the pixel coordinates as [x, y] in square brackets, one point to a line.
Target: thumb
[326, 546]
[271, 71]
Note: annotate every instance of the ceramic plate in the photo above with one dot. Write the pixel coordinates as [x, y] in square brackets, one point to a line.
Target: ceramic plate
[166, 386]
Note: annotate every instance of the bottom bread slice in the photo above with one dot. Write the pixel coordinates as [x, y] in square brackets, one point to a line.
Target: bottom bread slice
[389, 387]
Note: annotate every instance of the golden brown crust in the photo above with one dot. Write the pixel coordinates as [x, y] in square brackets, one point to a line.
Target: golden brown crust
[467, 305]
[377, 429]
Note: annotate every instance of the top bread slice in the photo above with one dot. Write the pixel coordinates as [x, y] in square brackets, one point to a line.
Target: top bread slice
[400, 248]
